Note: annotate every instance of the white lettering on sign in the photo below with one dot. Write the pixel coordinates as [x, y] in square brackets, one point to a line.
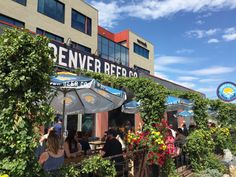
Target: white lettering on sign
[97, 66]
[76, 59]
[124, 72]
[82, 61]
[62, 56]
[112, 69]
[106, 68]
[89, 63]
[73, 59]
[118, 68]
[54, 51]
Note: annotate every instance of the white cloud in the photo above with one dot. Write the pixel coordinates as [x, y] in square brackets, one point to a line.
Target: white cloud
[187, 78]
[230, 30]
[209, 80]
[214, 70]
[200, 22]
[110, 12]
[205, 15]
[161, 75]
[207, 89]
[168, 60]
[184, 51]
[202, 33]
[213, 40]
[230, 34]
[187, 84]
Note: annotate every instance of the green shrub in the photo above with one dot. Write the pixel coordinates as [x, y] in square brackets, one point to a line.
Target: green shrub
[200, 148]
[208, 173]
[25, 67]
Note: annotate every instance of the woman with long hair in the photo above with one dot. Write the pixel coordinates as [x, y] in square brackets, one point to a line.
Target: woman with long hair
[71, 145]
[53, 158]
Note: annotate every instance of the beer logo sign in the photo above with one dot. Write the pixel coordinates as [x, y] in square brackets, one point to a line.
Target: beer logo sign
[227, 91]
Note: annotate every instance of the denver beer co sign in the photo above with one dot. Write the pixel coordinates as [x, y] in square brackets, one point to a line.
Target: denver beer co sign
[71, 58]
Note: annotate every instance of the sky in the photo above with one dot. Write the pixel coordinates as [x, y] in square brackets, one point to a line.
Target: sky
[194, 40]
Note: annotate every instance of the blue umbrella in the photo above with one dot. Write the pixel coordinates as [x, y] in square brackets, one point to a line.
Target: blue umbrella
[174, 103]
[131, 107]
[185, 113]
[77, 94]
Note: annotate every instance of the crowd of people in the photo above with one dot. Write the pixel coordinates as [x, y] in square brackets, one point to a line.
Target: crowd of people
[54, 149]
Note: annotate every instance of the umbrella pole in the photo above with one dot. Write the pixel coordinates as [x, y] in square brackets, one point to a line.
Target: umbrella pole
[63, 114]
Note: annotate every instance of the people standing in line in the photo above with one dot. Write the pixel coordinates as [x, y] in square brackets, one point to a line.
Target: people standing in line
[53, 158]
[71, 146]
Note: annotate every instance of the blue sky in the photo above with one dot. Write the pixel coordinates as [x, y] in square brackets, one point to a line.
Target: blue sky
[195, 41]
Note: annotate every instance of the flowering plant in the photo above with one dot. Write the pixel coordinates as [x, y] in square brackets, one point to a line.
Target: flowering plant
[155, 139]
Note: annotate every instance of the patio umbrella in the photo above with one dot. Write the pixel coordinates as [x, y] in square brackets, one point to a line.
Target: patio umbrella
[131, 107]
[187, 115]
[174, 103]
[73, 94]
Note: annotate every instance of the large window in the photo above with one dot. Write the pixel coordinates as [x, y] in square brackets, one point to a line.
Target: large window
[80, 47]
[81, 22]
[141, 51]
[49, 35]
[113, 51]
[52, 8]
[23, 2]
[12, 21]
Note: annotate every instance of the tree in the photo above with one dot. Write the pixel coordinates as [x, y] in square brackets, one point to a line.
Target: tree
[25, 67]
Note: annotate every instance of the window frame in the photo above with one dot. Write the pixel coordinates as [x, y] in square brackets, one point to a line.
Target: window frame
[10, 20]
[22, 3]
[88, 49]
[87, 28]
[139, 50]
[52, 17]
[44, 33]
[117, 51]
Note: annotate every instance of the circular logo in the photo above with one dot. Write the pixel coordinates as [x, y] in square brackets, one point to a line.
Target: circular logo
[227, 91]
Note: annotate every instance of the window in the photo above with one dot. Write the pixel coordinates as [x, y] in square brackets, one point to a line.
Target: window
[141, 69]
[141, 51]
[105, 48]
[23, 2]
[12, 21]
[113, 51]
[81, 22]
[80, 47]
[52, 8]
[49, 35]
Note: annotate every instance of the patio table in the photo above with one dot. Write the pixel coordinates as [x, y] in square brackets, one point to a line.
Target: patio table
[96, 145]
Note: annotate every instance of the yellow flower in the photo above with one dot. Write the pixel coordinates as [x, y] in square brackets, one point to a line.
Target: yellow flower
[164, 147]
[157, 133]
[4, 175]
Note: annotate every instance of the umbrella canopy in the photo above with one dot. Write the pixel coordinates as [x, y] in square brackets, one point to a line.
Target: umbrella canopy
[76, 94]
[174, 103]
[131, 107]
[185, 113]
[83, 94]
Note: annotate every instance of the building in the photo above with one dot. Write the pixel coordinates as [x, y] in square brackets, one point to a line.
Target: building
[74, 25]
